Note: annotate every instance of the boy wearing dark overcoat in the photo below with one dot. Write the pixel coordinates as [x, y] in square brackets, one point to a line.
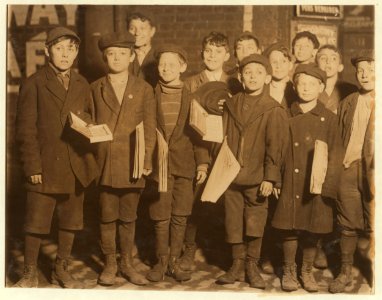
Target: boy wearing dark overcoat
[356, 190]
[57, 161]
[186, 158]
[121, 101]
[144, 64]
[256, 129]
[300, 213]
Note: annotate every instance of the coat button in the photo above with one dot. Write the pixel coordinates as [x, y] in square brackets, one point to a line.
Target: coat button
[78, 112]
[57, 158]
[296, 170]
[130, 96]
[296, 144]
[297, 197]
[322, 119]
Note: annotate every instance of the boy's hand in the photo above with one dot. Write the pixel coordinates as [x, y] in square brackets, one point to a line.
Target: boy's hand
[266, 188]
[276, 192]
[201, 177]
[35, 179]
[147, 172]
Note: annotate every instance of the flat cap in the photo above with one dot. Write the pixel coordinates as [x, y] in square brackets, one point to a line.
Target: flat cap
[210, 93]
[363, 55]
[308, 35]
[256, 58]
[58, 32]
[278, 46]
[172, 48]
[123, 39]
[310, 69]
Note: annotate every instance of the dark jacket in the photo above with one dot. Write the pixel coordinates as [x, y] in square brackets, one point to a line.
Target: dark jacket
[196, 81]
[116, 158]
[297, 208]
[185, 148]
[341, 90]
[260, 143]
[346, 115]
[148, 71]
[48, 145]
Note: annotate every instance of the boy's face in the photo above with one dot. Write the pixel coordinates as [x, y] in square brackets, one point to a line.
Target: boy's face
[170, 67]
[214, 57]
[281, 65]
[62, 54]
[245, 48]
[118, 59]
[143, 32]
[309, 87]
[254, 76]
[329, 61]
[366, 75]
[304, 49]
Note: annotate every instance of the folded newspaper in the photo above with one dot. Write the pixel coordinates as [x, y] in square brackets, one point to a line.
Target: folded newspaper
[210, 127]
[319, 167]
[224, 171]
[139, 156]
[95, 133]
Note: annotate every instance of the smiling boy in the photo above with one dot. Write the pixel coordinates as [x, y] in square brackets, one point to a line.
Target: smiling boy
[257, 133]
[144, 65]
[58, 164]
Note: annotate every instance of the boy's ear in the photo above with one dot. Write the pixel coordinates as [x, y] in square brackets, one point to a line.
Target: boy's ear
[152, 32]
[268, 79]
[46, 50]
[132, 55]
[226, 57]
[314, 52]
[340, 68]
[322, 87]
[183, 68]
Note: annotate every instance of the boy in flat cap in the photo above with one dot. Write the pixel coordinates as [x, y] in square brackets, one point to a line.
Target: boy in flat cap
[302, 215]
[257, 133]
[329, 59]
[356, 192]
[246, 44]
[57, 162]
[281, 87]
[122, 101]
[144, 65]
[186, 160]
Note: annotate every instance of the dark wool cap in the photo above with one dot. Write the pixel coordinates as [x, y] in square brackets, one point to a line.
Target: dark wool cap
[210, 93]
[310, 69]
[116, 39]
[363, 55]
[58, 32]
[308, 35]
[256, 58]
[278, 46]
[172, 48]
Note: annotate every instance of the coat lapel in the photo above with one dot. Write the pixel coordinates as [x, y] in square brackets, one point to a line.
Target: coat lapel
[183, 113]
[109, 96]
[55, 87]
[73, 93]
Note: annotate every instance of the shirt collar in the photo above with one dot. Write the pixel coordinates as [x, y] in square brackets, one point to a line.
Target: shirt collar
[57, 71]
[296, 110]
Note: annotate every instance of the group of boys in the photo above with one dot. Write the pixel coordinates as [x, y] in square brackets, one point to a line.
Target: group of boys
[275, 107]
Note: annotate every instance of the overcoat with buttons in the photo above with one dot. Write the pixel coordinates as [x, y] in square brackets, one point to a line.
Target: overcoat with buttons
[297, 208]
[48, 145]
[116, 158]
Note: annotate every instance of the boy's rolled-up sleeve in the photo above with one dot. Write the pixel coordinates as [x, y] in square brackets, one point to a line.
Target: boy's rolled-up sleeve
[276, 144]
[27, 130]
